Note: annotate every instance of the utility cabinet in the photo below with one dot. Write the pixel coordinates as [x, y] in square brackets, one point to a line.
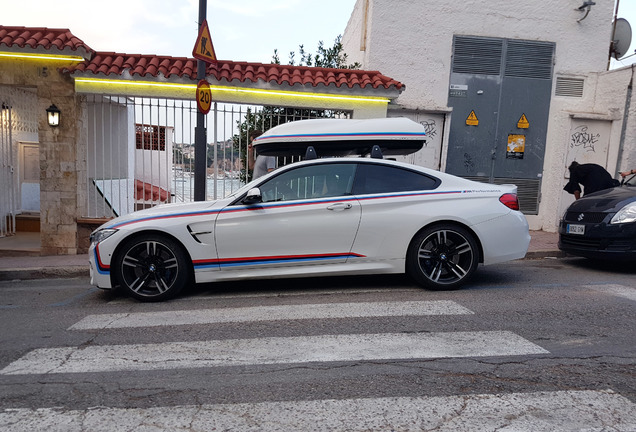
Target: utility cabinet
[500, 95]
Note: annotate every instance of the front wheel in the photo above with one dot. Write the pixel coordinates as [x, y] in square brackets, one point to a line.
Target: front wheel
[151, 267]
[442, 257]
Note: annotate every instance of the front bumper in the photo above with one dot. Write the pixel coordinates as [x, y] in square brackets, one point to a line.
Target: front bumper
[99, 272]
[600, 241]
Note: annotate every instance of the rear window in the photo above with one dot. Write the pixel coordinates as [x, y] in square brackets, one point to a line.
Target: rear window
[374, 179]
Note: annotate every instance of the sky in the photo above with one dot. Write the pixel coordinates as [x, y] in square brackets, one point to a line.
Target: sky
[241, 30]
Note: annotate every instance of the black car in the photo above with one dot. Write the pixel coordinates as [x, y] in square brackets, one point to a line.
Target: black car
[602, 225]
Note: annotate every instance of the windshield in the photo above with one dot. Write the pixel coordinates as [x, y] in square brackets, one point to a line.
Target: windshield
[630, 180]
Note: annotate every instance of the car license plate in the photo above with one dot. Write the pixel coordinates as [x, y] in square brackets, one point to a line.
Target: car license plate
[576, 229]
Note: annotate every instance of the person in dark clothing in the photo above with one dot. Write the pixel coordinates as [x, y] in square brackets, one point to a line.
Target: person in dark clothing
[593, 177]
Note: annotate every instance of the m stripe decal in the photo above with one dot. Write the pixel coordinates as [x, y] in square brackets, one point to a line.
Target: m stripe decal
[266, 206]
[248, 261]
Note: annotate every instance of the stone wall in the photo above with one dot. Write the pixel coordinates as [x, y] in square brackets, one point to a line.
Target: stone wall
[58, 149]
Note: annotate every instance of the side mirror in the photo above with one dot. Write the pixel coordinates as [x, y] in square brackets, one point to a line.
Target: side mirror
[253, 196]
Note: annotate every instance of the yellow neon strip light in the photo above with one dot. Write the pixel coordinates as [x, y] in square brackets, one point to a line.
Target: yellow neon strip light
[41, 56]
[137, 83]
[235, 90]
[295, 94]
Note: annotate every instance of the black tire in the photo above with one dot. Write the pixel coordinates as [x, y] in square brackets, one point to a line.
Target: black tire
[442, 257]
[151, 268]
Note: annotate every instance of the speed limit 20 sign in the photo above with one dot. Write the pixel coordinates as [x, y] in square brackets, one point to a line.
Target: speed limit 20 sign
[204, 96]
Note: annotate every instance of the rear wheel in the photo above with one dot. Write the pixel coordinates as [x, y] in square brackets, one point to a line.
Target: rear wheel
[442, 257]
[152, 267]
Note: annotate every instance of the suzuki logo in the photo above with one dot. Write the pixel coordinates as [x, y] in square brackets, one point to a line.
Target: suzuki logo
[581, 216]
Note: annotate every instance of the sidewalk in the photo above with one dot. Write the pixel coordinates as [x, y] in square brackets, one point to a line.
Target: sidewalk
[20, 259]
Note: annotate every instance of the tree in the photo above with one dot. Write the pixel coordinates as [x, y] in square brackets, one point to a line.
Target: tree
[270, 116]
[332, 57]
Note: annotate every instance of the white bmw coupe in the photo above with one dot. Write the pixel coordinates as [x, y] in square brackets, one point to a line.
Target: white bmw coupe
[319, 217]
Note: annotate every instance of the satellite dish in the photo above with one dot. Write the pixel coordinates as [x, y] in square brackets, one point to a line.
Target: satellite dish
[622, 38]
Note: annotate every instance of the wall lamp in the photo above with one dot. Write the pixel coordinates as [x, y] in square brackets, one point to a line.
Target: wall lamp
[587, 7]
[53, 115]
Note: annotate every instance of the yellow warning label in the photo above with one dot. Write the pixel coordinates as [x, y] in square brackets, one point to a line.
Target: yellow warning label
[523, 122]
[472, 119]
[516, 146]
[203, 49]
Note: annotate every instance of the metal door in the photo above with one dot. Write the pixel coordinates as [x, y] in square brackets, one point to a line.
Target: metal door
[500, 93]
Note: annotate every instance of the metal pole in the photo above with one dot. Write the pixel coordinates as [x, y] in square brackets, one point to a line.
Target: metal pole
[215, 141]
[200, 157]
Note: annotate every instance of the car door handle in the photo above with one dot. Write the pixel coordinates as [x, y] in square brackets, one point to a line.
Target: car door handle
[339, 206]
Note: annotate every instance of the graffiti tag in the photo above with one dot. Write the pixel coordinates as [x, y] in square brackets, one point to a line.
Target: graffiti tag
[429, 127]
[468, 163]
[582, 138]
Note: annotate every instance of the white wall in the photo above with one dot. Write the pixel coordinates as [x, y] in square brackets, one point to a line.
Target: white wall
[412, 43]
[601, 110]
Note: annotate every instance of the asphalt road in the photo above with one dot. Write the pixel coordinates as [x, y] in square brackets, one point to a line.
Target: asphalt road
[530, 345]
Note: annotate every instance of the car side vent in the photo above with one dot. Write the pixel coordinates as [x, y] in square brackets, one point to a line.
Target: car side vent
[569, 87]
[474, 55]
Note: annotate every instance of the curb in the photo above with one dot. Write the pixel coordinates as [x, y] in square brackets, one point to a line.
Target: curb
[545, 254]
[44, 273]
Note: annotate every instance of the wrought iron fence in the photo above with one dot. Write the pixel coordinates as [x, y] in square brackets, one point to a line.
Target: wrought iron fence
[140, 151]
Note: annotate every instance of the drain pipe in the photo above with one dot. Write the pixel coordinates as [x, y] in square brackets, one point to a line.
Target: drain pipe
[628, 101]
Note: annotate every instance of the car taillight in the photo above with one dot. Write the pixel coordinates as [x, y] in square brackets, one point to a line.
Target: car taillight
[510, 201]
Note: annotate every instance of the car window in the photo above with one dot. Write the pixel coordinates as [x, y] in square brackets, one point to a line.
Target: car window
[375, 178]
[315, 181]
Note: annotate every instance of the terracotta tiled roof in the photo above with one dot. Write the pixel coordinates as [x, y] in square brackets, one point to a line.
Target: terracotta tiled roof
[229, 71]
[140, 65]
[61, 40]
[301, 75]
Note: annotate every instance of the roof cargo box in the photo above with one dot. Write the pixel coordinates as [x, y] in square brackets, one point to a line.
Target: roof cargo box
[342, 137]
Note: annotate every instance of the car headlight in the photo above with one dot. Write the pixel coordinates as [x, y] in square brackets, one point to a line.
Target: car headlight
[101, 235]
[625, 215]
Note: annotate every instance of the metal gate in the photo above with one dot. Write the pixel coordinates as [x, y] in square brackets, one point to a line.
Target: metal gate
[500, 92]
[18, 126]
[7, 188]
[140, 151]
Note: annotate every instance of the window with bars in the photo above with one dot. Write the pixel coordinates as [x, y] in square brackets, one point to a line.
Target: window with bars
[149, 137]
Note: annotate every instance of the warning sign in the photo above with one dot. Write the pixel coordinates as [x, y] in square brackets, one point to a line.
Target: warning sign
[523, 122]
[203, 49]
[472, 119]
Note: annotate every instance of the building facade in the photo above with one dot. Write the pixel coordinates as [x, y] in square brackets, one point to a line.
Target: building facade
[512, 92]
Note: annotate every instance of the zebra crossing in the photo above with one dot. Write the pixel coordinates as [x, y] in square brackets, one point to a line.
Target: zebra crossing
[562, 410]
[532, 412]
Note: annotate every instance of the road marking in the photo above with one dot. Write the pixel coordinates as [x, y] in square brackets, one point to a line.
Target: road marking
[586, 410]
[273, 350]
[617, 290]
[271, 313]
[80, 296]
